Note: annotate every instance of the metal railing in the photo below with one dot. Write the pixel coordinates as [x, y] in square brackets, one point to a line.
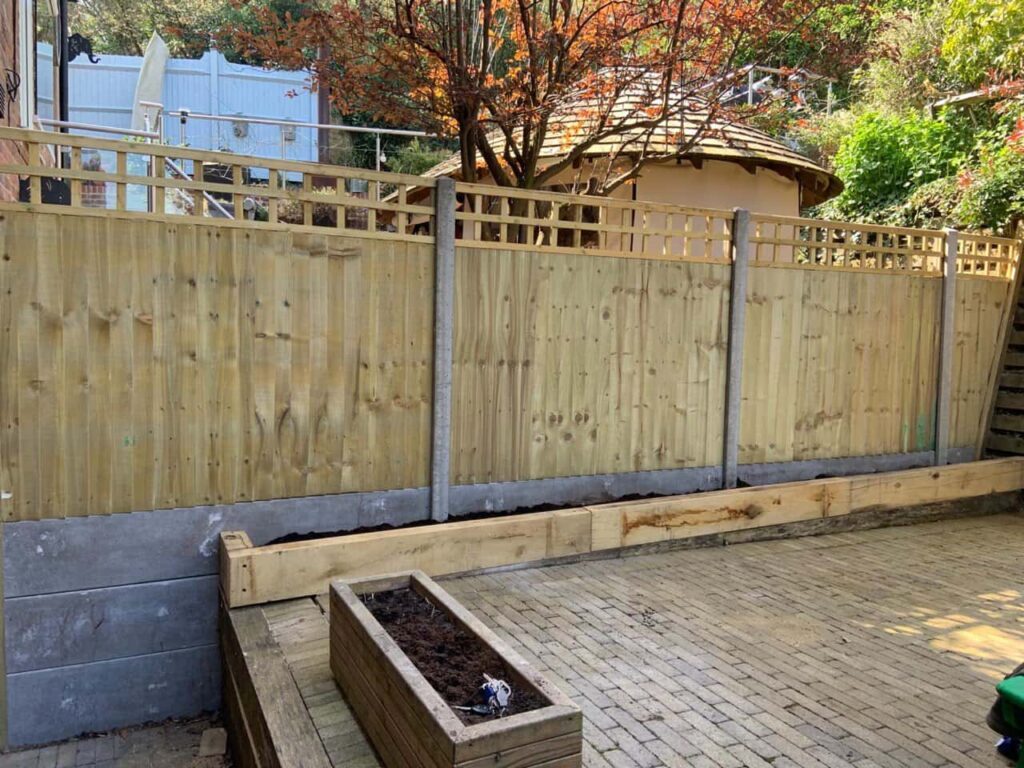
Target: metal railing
[185, 115]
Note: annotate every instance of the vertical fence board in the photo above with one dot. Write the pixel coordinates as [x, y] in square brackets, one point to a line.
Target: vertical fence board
[163, 381]
[209, 363]
[10, 268]
[979, 309]
[296, 418]
[320, 443]
[267, 475]
[49, 308]
[188, 407]
[100, 442]
[121, 267]
[144, 413]
[734, 356]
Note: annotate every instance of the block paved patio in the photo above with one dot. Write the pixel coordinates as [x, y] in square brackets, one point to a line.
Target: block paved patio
[874, 648]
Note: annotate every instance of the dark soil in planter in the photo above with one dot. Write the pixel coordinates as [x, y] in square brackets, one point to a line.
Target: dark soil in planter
[452, 660]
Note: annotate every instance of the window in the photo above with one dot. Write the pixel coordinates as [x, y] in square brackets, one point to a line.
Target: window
[44, 77]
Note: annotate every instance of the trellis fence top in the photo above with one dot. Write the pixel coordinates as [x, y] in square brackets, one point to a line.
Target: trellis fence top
[123, 178]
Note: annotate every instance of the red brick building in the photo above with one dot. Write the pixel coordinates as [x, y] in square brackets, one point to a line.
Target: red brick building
[11, 83]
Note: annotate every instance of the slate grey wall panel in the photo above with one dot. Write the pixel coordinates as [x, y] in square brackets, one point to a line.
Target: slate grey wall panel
[51, 704]
[45, 631]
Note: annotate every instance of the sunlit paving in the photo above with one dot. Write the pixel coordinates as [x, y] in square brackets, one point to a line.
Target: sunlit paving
[852, 650]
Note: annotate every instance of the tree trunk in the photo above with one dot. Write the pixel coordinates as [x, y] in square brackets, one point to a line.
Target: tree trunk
[467, 149]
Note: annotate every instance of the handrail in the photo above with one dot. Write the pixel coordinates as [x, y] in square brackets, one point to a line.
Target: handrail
[98, 128]
[206, 195]
[189, 114]
[209, 156]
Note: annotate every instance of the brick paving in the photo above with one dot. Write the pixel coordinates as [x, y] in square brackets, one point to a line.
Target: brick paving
[168, 745]
[874, 648]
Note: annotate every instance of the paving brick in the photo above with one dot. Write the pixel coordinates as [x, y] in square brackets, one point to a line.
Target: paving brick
[171, 745]
[842, 651]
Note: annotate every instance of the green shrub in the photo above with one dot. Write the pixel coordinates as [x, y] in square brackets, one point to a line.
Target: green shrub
[993, 192]
[930, 206]
[908, 70]
[820, 135]
[884, 158]
[416, 157]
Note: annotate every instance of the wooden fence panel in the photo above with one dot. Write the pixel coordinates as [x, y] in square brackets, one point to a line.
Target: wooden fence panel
[576, 364]
[154, 365]
[837, 363]
[152, 359]
[981, 304]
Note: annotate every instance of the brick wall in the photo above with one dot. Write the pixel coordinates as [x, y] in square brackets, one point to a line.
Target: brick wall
[9, 151]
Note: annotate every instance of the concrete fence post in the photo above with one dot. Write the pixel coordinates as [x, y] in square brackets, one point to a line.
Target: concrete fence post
[444, 305]
[944, 388]
[737, 319]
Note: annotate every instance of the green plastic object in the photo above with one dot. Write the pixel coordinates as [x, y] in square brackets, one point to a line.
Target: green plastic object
[1011, 700]
[1012, 690]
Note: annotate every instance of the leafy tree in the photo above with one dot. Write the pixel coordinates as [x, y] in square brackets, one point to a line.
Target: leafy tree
[125, 26]
[832, 41]
[188, 26]
[984, 40]
[248, 16]
[932, 205]
[907, 70]
[965, 168]
[502, 75]
[820, 135]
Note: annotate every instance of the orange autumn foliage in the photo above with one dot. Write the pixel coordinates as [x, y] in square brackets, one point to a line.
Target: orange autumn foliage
[505, 75]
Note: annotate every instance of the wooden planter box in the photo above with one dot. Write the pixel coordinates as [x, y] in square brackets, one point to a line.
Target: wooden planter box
[409, 723]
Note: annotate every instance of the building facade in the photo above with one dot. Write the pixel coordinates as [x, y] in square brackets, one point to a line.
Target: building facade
[12, 49]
